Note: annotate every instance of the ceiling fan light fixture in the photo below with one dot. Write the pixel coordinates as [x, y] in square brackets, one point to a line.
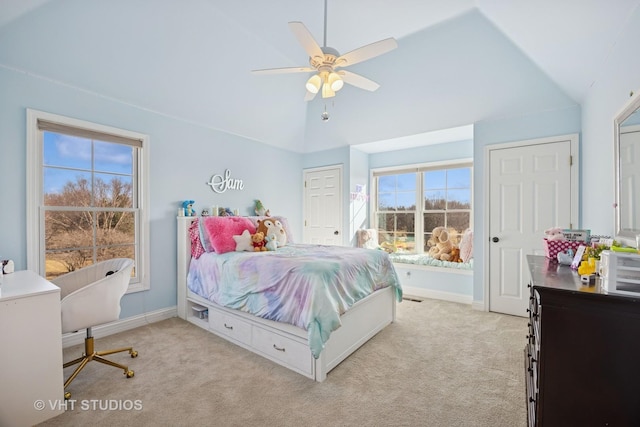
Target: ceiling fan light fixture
[314, 83]
[335, 81]
[327, 92]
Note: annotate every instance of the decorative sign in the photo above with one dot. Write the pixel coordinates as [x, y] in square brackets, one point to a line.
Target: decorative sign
[360, 194]
[220, 183]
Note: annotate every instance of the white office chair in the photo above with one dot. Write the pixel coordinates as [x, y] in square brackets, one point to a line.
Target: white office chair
[91, 297]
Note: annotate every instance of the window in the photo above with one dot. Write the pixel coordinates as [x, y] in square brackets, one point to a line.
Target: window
[87, 188]
[410, 202]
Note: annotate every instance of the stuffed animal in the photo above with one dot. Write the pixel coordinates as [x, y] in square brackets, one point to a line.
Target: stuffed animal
[273, 226]
[443, 245]
[388, 247]
[367, 238]
[258, 241]
[272, 242]
[554, 233]
[244, 242]
[187, 206]
[260, 210]
[455, 255]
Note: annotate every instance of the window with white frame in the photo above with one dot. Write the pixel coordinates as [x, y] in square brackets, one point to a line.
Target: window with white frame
[87, 196]
[409, 202]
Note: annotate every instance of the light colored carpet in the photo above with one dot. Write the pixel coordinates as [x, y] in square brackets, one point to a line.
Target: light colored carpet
[439, 364]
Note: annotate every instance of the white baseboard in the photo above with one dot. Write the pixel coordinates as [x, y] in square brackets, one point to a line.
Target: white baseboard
[442, 295]
[478, 305]
[121, 325]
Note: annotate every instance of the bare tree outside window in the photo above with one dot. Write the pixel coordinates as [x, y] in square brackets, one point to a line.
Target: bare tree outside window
[89, 205]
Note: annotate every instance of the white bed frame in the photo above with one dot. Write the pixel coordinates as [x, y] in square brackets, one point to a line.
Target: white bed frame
[282, 343]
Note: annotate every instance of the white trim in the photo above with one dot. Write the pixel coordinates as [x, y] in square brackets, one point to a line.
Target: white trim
[417, 168]
[478, 305]
[34, 191]
[575, 192]
[121, 325]
[409, 291]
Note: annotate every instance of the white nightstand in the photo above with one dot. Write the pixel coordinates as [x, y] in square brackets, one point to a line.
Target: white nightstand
[31, 390]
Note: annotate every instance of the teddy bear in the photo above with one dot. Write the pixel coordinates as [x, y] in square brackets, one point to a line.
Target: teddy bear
[455, 255]
[258, 241]
[272, 242]
[443, 246]
[273, 226]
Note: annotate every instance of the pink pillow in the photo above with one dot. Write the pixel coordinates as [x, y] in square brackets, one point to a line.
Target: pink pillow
[221, 229]
[466, 245]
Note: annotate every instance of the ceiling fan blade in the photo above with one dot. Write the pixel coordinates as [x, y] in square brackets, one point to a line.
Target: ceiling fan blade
[309, 96]
[358, 81]
[366, 52]
[306, 39]
[283, 70]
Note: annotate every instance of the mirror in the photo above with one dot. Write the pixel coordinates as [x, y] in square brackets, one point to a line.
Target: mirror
[627, 172]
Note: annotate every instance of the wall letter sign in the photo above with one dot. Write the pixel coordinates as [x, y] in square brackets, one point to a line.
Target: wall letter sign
[220, 183]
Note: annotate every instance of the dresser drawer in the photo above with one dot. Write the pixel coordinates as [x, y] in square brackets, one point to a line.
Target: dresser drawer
[230, 326]
[291, 352]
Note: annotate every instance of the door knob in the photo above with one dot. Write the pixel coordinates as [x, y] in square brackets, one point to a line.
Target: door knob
[336, 232]
[495, 240]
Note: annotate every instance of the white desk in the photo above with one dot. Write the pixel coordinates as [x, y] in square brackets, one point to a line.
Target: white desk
[30, 350]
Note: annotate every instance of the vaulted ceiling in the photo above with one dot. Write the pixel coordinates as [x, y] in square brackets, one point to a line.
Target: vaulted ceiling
[458, 61]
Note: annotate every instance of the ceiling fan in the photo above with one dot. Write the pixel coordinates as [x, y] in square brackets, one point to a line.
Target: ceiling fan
[325, 61]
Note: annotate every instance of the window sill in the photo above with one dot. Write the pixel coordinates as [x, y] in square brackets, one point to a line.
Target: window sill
[428, 263]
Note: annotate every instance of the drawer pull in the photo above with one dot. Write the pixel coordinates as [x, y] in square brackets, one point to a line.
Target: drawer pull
[278, 348]
[228, 327]
[531, 399]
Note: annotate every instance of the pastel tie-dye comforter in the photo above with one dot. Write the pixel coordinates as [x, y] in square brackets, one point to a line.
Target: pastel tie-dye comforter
[308, 286]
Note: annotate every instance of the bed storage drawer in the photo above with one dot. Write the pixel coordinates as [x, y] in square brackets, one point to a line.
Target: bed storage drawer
[280, 348]
[230, 326]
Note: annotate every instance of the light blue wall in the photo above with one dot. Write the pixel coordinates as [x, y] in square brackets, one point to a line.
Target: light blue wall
[183, 158]
[619, 76]
[531, 126]
[430, 153]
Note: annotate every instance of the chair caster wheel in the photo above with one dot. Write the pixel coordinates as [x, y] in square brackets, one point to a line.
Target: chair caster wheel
[129, 374]
[134, 354]
[67, 395]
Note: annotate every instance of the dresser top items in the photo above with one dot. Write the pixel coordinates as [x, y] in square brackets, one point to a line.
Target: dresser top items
[549, 274]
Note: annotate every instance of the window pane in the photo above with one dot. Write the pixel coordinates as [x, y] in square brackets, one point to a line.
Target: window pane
[115, 228]
[406, 181]
[67, 151]
[406, 201]
[387, 183]
[59, 263]
[112, 157]
[435, 180]
[458, 220]
[433, 220]
[113, 191]
[459, 199]
[72, 229]
[459, 178]
[116, 252]
[64, 187]
[434, 199]
[386, 201]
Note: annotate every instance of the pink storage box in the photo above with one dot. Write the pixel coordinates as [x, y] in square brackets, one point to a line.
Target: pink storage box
[553, 247]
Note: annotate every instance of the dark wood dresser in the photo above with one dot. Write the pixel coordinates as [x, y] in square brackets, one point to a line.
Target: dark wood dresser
[582, 357]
